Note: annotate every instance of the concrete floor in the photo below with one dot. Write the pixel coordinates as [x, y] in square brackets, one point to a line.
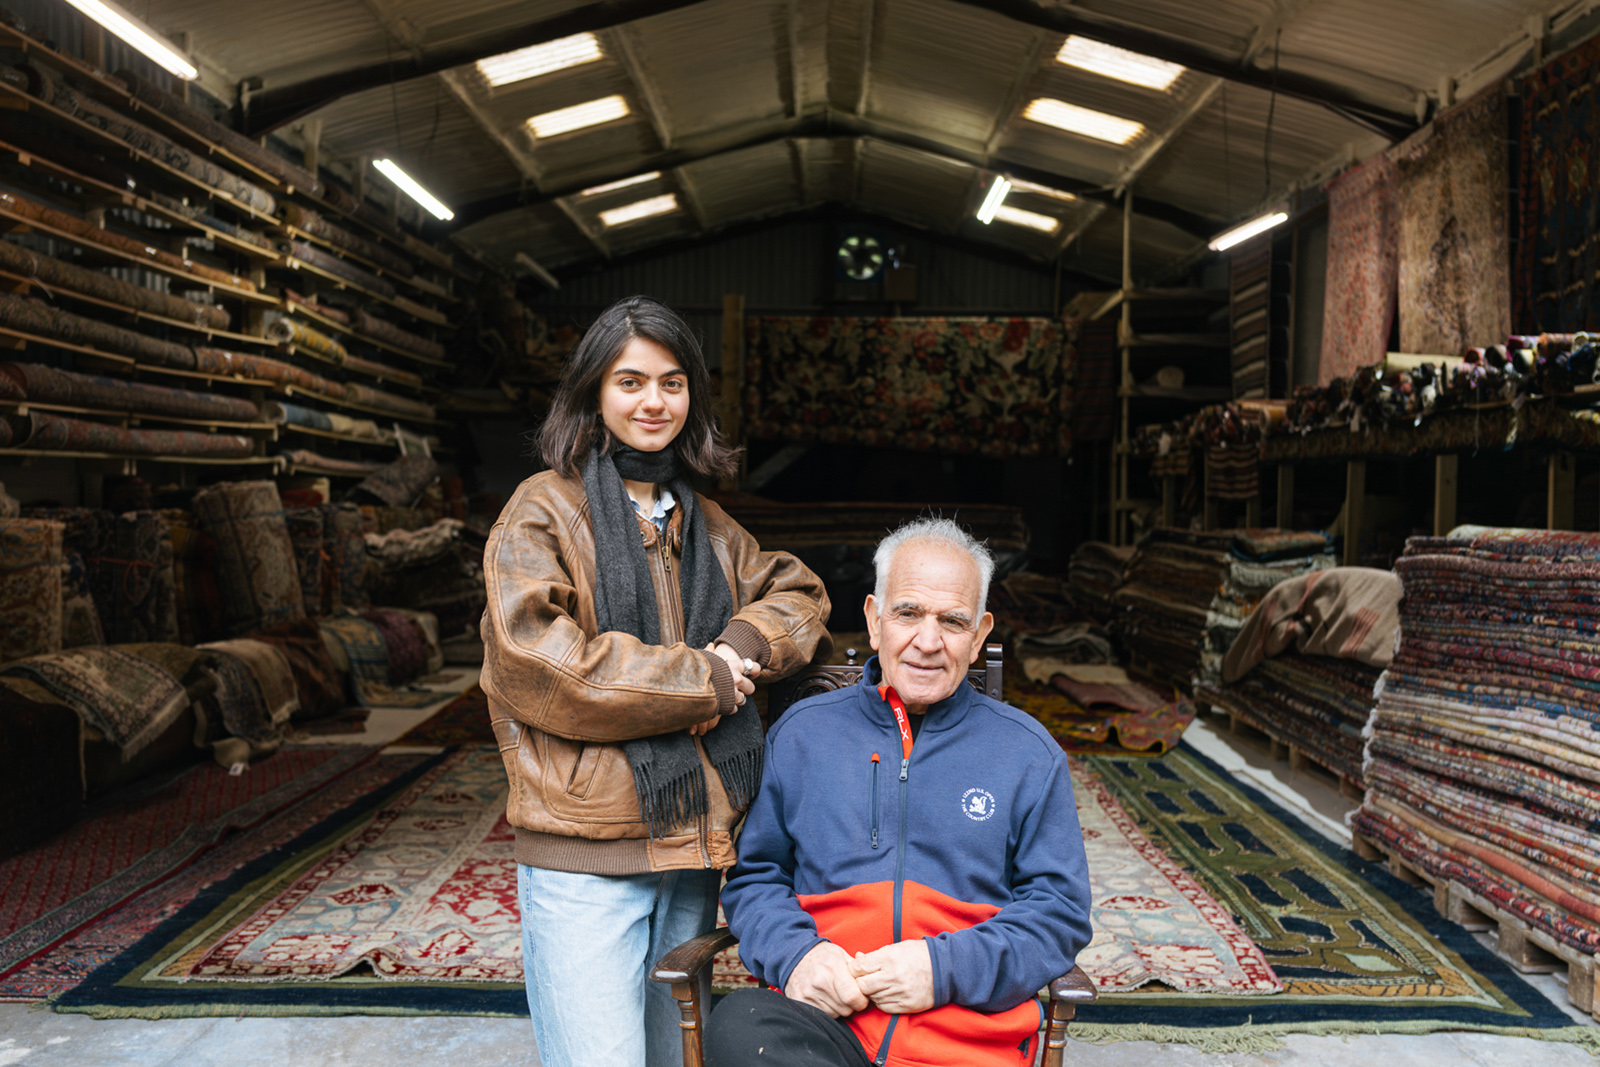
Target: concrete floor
[32, 1035]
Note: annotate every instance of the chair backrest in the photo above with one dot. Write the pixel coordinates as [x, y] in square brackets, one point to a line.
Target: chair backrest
[985, 677]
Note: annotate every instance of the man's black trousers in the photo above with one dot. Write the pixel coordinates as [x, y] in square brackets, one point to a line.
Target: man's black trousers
[764, 1028]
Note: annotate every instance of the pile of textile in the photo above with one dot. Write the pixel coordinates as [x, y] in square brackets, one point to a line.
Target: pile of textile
[1095, 573]
[1483, 758]
[437, 569]
[1188, 593]
[1304, 666]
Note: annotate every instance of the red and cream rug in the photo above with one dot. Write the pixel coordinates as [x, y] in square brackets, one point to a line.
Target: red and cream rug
[426, 888]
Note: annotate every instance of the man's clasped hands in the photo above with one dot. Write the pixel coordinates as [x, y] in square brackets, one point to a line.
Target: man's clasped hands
[897, 978]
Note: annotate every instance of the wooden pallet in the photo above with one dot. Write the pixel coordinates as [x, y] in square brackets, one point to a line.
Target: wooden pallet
[1526, 948]
[1298, 758]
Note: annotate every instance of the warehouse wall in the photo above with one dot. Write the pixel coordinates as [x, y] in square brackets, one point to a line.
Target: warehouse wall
[787, 268]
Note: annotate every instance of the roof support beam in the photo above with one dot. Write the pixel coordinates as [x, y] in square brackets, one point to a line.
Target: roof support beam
[1267, 31]
[869, 15]
[691, 199]
[835, 126]
[268, 109]
[1394, 123]
[621, 40]
[583, 226]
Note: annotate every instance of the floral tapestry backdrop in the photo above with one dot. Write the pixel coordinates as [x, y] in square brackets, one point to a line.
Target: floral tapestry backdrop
[996, 387]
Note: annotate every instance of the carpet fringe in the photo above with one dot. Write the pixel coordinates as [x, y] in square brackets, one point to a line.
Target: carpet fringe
[1264, 1038]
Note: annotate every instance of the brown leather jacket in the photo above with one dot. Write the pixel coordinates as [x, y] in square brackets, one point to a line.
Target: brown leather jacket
[562, 695]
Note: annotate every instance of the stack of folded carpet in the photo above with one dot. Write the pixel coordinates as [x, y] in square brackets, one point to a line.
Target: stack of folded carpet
[1483, 761]
[1095, 573]
[1304, 666]
[1188, 593]
[437, 569]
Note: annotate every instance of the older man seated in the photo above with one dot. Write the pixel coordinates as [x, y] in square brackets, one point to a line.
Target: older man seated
[912, 871]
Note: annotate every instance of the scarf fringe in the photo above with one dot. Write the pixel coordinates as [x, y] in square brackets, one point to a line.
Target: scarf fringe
[679, 800]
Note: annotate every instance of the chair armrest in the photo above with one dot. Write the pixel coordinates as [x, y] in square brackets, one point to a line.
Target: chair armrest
[1075, 986]
[691, 957]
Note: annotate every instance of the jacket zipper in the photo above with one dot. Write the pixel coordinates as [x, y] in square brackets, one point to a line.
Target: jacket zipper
[899, 891]
[874, 799]
[704, 829]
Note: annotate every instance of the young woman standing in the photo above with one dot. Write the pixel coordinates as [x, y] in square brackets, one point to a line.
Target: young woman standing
[627, 619]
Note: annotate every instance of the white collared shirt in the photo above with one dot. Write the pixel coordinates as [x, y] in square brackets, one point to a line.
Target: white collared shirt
[658, 514]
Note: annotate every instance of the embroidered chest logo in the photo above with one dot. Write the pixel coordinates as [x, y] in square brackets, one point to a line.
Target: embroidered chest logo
[977, 804]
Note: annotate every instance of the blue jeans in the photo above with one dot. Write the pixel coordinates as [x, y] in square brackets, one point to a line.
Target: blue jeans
[588, 941]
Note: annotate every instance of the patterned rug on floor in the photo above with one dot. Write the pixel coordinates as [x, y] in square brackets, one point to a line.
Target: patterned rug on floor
[1099, 730]
[414, 882]
[1357, 950]
[463, 721]
[55, 892]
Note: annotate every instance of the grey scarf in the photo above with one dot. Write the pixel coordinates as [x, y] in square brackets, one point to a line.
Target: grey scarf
[666, 768]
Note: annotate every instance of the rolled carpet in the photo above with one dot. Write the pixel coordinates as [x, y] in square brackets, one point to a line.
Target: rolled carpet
[303, 218]
[388, 333]
[367, 396]
[36, 317]
[341, 268]
[382, 371]
[219, 361]
[22, 207]
[287, 331]
[47, 385]
[255, 559]
[61, 275]
[284, 413]
[147, 92]
[53, 433]
[50, 87]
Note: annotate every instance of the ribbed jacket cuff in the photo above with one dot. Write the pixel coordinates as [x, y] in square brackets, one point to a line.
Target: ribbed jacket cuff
[722, 681]
[747, 641]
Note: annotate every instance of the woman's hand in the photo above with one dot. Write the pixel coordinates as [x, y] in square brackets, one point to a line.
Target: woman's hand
[743, 670]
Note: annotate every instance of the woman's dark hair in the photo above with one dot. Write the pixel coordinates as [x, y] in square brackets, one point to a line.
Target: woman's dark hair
[574, 424]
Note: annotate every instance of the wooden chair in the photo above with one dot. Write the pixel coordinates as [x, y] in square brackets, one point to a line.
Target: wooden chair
[683, 967]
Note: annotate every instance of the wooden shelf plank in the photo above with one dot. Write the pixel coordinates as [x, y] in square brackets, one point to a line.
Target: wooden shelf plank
[22, 407]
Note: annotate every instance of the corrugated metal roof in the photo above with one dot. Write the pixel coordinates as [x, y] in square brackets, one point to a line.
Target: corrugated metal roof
[906, 108]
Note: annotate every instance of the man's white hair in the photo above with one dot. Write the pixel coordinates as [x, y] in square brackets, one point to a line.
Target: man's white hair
[937, 532]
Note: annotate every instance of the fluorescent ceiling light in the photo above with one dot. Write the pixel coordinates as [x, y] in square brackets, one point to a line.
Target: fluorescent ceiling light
[1118, 63]
[623, 183]
[138, 35]
[416, 192]
[1228, 238]
[1042, 190]
[1082, 121]
[640, 209]
[539, 59]
[1032, 219]
[992, 202]
[576, 117]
